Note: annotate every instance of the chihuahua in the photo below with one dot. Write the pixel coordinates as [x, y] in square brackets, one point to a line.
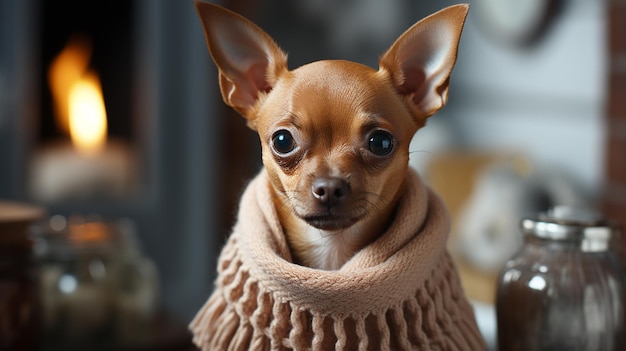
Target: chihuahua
[334, 134]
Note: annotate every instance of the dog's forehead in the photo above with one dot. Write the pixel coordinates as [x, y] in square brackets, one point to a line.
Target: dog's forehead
[333, 75]
[341, 86]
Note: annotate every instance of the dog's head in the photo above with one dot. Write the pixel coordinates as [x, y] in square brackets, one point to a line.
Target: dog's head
[335, 134]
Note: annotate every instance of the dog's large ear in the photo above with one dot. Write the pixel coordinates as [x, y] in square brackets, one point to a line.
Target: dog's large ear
[248, 59]
[421, 60]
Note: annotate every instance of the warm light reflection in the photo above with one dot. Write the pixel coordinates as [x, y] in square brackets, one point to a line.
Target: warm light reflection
[90, 232]
[88, 124]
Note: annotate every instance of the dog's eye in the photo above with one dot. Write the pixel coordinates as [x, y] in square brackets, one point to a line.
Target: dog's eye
[282, 142]
[381, 143]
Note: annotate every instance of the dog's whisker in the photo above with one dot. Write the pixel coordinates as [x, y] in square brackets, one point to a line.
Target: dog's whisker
[421, 152]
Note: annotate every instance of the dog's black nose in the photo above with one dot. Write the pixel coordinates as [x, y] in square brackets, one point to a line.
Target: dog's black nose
[329, 191]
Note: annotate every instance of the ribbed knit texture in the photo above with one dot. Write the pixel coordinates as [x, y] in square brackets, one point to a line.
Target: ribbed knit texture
[401, 292]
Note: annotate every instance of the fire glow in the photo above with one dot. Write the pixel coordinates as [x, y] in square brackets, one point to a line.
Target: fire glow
[92, 165]
[78, 100]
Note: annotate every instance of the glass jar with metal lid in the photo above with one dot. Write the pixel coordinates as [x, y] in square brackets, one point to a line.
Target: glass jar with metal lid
[563, 290]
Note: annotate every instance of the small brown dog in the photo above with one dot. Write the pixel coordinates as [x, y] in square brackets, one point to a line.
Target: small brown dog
[335, 134]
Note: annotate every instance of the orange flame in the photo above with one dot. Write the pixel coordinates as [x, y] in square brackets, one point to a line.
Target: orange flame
[77, 94]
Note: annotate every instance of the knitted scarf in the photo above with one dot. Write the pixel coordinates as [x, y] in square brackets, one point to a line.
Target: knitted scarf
[401, 292]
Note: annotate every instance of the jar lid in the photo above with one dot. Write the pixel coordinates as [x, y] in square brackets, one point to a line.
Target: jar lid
[15, 219]
[565, 223]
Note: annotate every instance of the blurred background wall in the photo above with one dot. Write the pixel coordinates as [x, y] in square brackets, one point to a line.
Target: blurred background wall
[535, 118]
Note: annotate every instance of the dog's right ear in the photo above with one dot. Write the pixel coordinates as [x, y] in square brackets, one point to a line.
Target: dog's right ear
[421, 60]
[248, 59]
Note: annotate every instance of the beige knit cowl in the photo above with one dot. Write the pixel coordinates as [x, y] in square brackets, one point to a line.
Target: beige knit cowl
[401, 292]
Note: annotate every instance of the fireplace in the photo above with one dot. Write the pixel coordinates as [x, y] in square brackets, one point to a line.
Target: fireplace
[153, 163]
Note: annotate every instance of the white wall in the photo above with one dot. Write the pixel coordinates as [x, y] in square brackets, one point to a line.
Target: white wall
[545, 101]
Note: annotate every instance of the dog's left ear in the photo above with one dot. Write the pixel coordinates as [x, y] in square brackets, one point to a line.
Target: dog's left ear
[421, 60]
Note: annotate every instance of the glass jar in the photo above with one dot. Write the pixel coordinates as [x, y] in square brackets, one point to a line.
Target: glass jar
[19, 298]
[564, 289]
[97, 288]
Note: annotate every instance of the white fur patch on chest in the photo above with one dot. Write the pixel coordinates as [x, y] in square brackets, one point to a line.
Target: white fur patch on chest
[330, 250]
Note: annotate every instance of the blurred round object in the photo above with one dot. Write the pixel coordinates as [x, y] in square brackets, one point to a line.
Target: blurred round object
[515, 22]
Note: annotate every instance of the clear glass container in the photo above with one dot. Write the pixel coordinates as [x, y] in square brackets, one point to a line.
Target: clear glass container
[564, 289]
[97, 287]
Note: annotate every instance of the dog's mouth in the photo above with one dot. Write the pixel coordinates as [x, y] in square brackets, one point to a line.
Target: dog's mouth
[330, 222]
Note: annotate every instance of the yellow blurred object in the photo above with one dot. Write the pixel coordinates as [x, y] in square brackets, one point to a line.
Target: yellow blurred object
[454, 175]
[88, 122]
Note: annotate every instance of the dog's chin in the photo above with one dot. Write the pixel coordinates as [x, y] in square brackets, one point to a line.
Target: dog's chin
[330, 222]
